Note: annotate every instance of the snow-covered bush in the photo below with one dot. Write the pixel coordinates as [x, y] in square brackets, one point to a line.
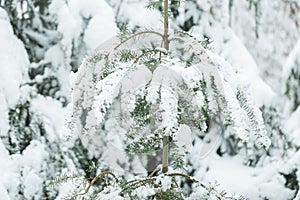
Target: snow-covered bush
[34, 84]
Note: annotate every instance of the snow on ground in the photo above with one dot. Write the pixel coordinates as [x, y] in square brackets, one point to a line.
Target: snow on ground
[252, 183]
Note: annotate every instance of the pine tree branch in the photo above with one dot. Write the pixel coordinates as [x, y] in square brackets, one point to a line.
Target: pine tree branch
[183, 175]
[138, 183]
[218, 195]
[95, 179]
[147, 52]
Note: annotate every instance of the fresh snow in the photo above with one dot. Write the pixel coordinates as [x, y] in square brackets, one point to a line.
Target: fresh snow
[247, 181]
[260, 65]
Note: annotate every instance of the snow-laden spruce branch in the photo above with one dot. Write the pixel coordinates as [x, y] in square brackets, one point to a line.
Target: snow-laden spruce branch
[159, 89]
[127, 187]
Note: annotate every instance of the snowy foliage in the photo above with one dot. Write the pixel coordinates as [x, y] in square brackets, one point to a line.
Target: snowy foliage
[146, 88]
[222, 91]
[95, 91]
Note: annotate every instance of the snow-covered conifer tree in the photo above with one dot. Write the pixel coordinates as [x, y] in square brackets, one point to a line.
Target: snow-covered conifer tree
[150, 90]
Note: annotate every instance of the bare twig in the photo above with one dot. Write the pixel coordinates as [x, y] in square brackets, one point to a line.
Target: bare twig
[139, 183]
[157, 169]
[95, 179]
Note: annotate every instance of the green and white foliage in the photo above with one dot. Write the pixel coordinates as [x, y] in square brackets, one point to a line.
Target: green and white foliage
[282, 144]
[24, 127]
[24, 153]
[131, 93]
[34, 26]
[36, 55]
[211, 20]
[57, 34]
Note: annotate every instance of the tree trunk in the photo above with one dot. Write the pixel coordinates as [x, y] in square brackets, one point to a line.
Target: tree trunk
[165, 156]
[166, 25]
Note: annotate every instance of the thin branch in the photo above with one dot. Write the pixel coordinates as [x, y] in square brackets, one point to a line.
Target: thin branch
[173, 179]
[95, 179]
[166, 24]
[139, 183]
[157, 169]
[140, 180]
